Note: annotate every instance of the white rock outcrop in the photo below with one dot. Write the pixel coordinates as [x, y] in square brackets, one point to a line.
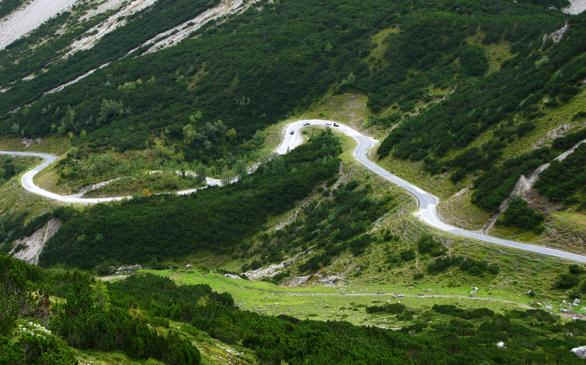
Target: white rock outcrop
[29, 249]
[580, 352]
[576, 7]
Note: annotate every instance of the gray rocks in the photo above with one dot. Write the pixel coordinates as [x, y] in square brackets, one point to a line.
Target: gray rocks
[29, 249]
[558, 35]
[127, 269]
[232, 276]
[331, 280]
[580, 352]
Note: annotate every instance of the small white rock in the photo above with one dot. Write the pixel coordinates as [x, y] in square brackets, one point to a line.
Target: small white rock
[580, 352]
[500, 345]
[232, 276]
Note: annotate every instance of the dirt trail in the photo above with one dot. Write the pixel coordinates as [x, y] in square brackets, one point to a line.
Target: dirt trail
[416, 296]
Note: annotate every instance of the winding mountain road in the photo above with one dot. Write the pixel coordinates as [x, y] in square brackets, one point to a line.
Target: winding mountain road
[292, 138]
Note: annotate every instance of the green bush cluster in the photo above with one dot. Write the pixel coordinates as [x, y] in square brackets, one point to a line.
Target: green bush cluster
[114, 45]
[496, 184]
[85, 319]
[7, 6]
[146, 230]
[10, 167]
[575, 279]
[565, 181]
[428, 245]
[392, 308]
[506, 101]
[119, 316]
[520, 215]
[238, 72]
[530, 337]
[467, 265]
[334, 222]
[455, 311]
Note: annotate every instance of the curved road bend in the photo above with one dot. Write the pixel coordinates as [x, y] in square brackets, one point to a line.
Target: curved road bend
[292, 138]
[427, 212]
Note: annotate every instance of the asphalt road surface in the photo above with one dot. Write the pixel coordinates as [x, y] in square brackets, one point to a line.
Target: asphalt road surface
[292, 138]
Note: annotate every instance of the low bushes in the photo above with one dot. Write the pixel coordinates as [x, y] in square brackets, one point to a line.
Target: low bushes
[468, 265]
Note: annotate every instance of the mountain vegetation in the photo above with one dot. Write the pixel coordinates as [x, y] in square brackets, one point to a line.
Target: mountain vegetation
[10, 167]
[8, 6]
[566, 181]
[238, 72]
[215, 219]
[499, 110]
[519, 214]
[135, 315]
[470, 94]
[207, 100]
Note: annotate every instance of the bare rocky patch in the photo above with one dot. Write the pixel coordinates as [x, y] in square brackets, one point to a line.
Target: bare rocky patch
[29, 249]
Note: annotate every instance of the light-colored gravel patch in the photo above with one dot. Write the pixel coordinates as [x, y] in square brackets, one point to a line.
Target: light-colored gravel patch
[29, 18]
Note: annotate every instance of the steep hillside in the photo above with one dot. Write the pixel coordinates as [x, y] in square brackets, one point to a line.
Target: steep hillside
[489, 133]
[148, 317]
[216, 219]
[256, 69]
[306, 253]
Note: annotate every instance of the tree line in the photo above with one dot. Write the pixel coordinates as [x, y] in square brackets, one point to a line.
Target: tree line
[151, 229]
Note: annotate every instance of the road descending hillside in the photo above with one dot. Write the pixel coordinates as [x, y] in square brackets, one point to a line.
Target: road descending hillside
[292, 138]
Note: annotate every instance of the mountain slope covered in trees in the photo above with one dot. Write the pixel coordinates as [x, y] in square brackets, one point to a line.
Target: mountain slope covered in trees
[148, 317]
[468, 98]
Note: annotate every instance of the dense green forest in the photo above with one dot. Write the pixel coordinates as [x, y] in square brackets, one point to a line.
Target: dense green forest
[7, 6]
[141, 27]
[337, 221]
[565, 181]
[10, 167]
[34, 331]
[541, 76]
[426, 69]
[497, 183]
[257, 69]
[207, 98]
[465, 336]
[521, 84]
[216, 219]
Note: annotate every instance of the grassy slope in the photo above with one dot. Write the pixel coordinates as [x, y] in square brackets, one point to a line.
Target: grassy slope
[458, 208]
[376, 281]
[14, 200]
[328, 303]
[55, 145]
